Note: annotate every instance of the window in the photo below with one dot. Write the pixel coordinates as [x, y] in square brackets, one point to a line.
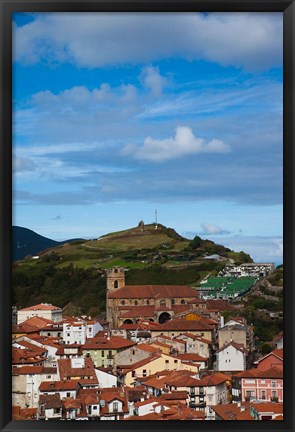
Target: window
[68, 394]
[175, 361]
[182, 301]
[102, 353]
[147, 302]
[115, 406]
[48, 334]
[116, 284]
[263, 394]
[167, 361]
[48, 376]
[249, 381]
[163, 303]
[68, 334]
[122, 302]
[136, 302]
[273, 384]
[173, 301]
[94, 407]
[274, 394]
[133, 374]
[144, 372]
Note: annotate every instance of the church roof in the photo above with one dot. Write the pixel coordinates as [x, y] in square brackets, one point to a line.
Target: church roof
[153, 291]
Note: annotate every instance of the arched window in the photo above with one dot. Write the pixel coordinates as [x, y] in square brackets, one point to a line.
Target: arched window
[122, 302]
[182, 301]
[128, 321]
[116, 284]
[163, 302]
[115, 270]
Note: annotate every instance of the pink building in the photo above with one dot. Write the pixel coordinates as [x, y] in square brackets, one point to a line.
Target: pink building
[266, 385]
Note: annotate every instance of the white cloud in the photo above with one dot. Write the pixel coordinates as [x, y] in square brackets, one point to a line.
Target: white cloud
[249, 40]
[21, 165]
[152, 79]
[183, 144]
[212, 229]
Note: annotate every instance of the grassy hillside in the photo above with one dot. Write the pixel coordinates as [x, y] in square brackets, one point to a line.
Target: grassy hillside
[26, 242]
[71, 275]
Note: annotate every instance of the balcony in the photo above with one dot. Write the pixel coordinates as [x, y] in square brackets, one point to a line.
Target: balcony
[274, 399]
[197, 404]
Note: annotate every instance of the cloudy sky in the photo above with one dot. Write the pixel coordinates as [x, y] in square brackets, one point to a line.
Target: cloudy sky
[117, 115]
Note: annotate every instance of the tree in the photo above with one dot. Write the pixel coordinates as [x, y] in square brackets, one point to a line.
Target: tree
[195, 243]
[265, 349]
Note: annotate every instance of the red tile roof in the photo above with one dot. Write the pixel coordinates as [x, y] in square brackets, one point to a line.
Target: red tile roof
[41, 306]
[191, 357]
[105, 343]
[256, 373]
[67, 371]
[24, 356]
[277, 352]
[50, 401]
[153, 291]
[148, 348]
[183, 325]
[214, 379]
[239, 347]
[39, 322]
[27, 370]
[57, 386]
[24, 328]
[220, 305]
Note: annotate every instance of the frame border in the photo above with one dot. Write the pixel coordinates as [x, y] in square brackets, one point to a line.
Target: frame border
[7, 7]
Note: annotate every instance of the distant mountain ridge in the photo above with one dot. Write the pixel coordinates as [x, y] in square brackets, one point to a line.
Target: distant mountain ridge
[26, 242]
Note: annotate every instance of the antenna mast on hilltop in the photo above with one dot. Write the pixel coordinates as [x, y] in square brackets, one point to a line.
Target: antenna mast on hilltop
[156, 219]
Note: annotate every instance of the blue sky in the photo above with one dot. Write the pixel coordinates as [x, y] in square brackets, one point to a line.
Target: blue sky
[116, 115]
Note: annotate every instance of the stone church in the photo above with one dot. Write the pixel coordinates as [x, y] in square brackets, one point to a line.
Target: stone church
[157, 303]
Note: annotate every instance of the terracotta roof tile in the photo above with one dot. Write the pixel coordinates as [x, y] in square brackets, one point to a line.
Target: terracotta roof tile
[56, 386]
[183, 325]
[104, 343]
[153, 291]
[50, 401]
[41, 306]
[256, 373]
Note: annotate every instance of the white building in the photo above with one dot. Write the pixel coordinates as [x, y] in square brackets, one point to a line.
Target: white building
[43, 310]
[77, 332]
[231, 357]
[106, 379]
[248, 269]
[26, 381]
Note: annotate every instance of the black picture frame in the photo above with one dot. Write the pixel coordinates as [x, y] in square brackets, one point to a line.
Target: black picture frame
[7, 7]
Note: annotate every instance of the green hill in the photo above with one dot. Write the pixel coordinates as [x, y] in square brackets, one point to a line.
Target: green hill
[72, 274]
[26, 242]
